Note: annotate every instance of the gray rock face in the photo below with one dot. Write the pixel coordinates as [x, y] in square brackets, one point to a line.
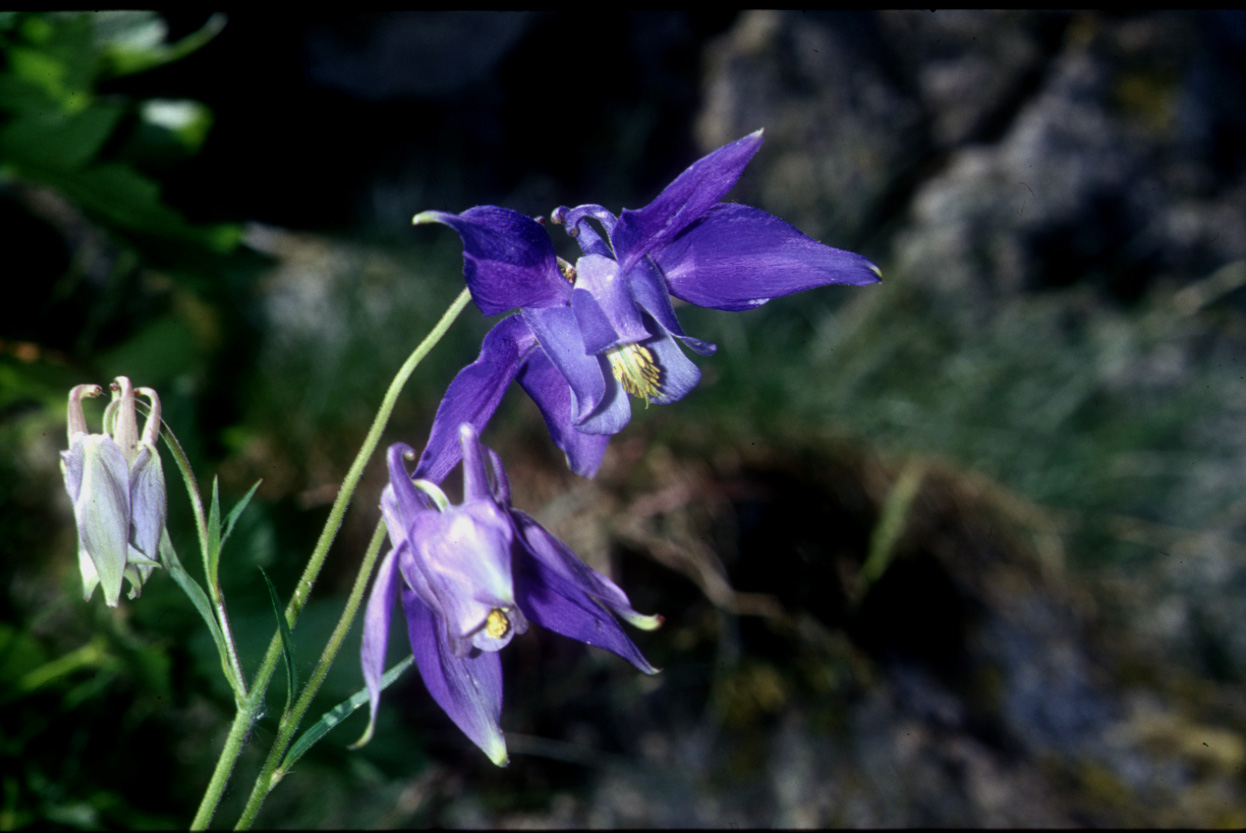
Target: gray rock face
[1007, 151]
[842, 127]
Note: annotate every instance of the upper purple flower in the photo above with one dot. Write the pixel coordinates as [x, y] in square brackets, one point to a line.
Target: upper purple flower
[472, 576]
[586, 337]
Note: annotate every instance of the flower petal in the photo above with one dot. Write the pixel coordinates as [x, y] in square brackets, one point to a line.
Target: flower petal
[604, 309]
[559, 335]
[474, 394]
[468, 688]
[651, 294]
[148, 505]
[678, 373]
[613, 412]
[476, 485]
[549, 390]
[576, 219]
[90, 578]
[683, 202]
[102, 510]
[376, 620]
[508, 259]
[566, 599]
[558, 557]
[401, 502]
[498, 481]
[737, 258]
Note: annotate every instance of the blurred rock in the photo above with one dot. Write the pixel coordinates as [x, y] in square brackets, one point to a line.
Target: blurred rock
[1007, 151]
[842, 128]
[971, 69]
[1094, 180]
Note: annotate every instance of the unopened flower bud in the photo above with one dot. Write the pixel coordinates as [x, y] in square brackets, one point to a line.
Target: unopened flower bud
[116, 483]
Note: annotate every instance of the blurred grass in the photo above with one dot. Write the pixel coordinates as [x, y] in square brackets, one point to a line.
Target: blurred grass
[1111, 415]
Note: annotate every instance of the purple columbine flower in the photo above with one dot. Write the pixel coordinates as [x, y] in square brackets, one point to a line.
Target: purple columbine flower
[472, 576]
[117, 487]
[589, 336]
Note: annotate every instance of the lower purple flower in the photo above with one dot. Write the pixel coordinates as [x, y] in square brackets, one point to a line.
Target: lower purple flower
[472, 576]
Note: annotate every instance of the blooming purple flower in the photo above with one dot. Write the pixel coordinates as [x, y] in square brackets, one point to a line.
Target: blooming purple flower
[472, 576]
[587, 337]
[117, 487]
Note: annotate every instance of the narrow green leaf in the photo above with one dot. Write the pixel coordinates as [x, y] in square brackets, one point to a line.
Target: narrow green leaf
[886, 533]
[333, 717]
[199, 599]
[287, 644]
[212, 558]
[236, 512]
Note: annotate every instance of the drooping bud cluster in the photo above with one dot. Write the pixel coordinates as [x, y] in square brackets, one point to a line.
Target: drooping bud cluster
[116, 483]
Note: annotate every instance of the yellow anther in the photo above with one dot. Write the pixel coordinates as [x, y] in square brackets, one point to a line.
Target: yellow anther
[636, 371]
[497, 625]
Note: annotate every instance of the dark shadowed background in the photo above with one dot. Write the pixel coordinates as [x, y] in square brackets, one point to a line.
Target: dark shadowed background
[965, 548]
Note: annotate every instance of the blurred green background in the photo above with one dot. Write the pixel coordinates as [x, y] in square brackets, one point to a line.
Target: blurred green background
[963, 548]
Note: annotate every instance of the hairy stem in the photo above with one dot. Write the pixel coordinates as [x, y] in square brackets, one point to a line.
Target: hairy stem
[251, 708]
[271, 774]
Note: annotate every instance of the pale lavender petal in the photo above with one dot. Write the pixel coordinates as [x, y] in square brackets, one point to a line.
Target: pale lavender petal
[508, 259]
[559, 336]
[409, 501]
[737, 258]
[71, 466]
[678, 373]
[474, 395]
[468, 688]
[376, 620]
[90, 578]
[651, 294]
[683, 202]
[102, 510]
[499, 483]
[549, 390]
[613, 412]
[475, 474]
[148, 504]
[604, 309]
[464, 554]
[578, 226]
[390, 512]
[557, 599]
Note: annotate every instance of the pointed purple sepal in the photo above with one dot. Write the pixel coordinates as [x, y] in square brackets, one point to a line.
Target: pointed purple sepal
[737, 258]
[475, 394]
[683, 202]
[508, 259]
[468, 688]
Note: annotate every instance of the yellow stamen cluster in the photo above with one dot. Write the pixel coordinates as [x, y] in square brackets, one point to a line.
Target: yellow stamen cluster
[636, 371]
[497, 624]
[567, 271]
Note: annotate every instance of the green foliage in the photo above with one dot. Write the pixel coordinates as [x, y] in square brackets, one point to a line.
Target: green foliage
[115, 280]
[57, 125]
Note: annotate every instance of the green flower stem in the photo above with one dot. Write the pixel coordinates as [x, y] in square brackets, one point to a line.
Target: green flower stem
[272, 773]
[250, 709]
[233, 668]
